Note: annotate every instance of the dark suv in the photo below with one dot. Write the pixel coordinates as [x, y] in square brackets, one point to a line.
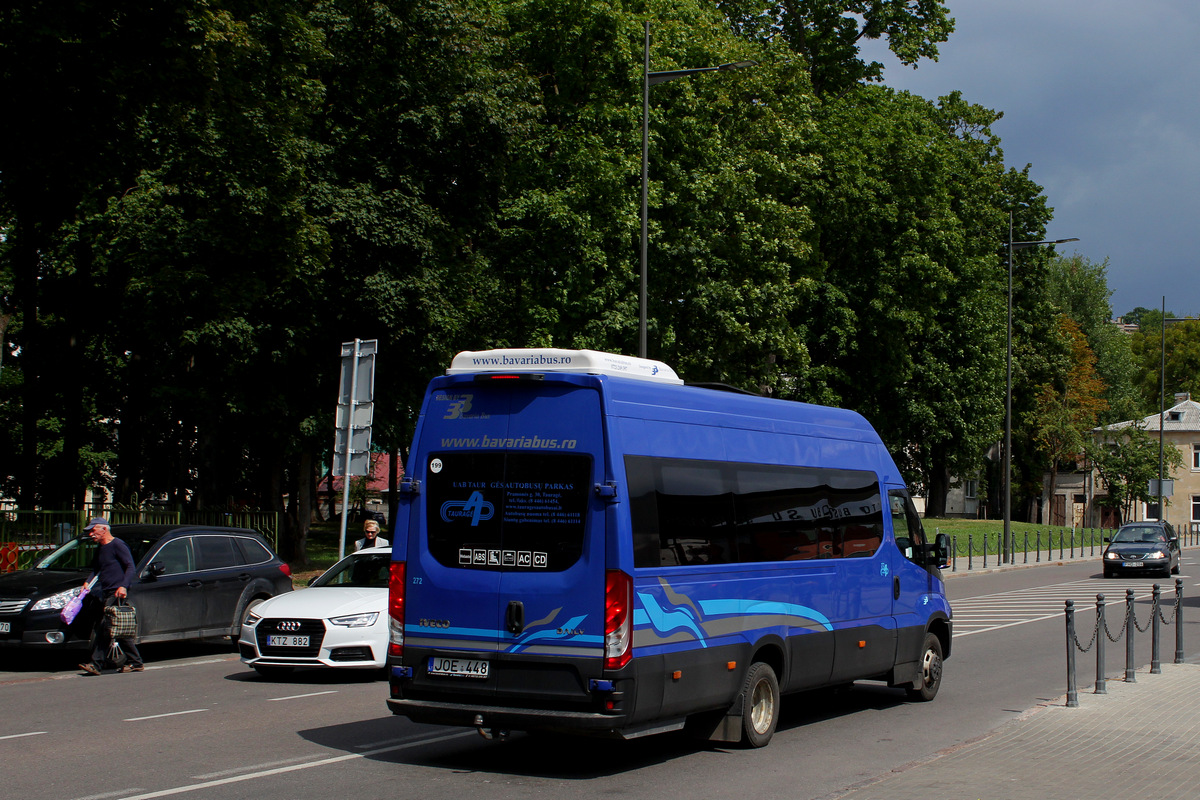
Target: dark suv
[193, 582]
[1141, 548]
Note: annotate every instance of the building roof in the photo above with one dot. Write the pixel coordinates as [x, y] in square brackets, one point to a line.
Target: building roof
[1182, 417]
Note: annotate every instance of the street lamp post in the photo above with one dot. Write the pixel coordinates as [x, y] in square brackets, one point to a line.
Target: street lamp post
[1007, 544]
[653, 79]
[1162, 405]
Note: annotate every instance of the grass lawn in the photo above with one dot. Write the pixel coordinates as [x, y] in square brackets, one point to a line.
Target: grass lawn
[1026, 536]
[322, 551]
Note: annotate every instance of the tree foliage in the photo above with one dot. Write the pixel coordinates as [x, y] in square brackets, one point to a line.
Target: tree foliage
[1127, 460]
[1066, 411]
[828, 33]
[221, 192]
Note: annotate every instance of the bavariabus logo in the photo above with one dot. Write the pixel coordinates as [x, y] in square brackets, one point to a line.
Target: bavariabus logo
[475, 507]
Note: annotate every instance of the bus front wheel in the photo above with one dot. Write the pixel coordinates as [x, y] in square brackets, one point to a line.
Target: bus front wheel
[926, 686]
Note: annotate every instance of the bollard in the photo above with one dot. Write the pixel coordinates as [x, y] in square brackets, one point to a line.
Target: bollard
[1155, 661]
[1101, 637]
[1026, 547]
[985, 544]
[970, 551]
[1130, 630]
[1061, 535]
[1178, 620]
[1073, 544]
[1038, 544]
[954, 549]
[1072, 690]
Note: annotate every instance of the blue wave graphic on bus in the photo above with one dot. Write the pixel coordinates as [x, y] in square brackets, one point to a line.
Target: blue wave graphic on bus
[757, 608]
[557, 632]
[667, 621]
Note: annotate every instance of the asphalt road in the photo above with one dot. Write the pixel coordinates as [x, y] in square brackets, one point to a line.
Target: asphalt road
[199, 724]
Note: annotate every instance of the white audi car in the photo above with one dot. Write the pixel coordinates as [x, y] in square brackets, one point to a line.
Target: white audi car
[339, 620]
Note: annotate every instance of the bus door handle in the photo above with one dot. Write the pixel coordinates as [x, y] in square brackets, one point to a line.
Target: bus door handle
[515, 616]
[895, 588]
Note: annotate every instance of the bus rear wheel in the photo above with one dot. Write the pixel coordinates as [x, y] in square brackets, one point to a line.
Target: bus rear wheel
[760, 715]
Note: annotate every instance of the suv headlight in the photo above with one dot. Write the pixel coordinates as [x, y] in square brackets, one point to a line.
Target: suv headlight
[356, 620]
[55, 601]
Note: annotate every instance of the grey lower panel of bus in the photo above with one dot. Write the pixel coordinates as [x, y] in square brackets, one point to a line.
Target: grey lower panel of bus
[657, 693]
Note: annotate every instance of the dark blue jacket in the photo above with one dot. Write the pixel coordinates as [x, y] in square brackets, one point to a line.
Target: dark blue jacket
[114, 564]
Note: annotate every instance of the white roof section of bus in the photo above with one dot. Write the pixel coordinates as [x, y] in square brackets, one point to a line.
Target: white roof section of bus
[547, 359]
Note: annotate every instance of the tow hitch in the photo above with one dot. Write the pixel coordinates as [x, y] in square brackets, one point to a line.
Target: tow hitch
[491, 734]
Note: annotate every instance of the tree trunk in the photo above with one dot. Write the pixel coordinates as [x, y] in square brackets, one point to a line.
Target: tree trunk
[25, 260]
[938, 485]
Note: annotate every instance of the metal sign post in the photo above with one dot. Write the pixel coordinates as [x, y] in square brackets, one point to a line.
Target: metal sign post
[355, 411]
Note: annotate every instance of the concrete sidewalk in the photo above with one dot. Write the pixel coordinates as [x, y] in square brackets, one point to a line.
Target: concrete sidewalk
[1141, 739]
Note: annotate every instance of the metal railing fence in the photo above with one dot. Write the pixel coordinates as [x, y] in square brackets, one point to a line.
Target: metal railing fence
[1043, 544]
[27, 535]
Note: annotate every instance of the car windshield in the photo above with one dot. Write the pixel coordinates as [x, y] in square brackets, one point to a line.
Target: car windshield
[1140, 535]
[77, 554]
[361, 570]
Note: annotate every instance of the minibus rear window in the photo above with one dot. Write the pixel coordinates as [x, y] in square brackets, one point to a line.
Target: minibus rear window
[507, 510]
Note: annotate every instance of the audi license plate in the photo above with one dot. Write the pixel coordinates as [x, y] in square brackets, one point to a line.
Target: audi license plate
[287, 641]
[1131, 563]
[462, 667]
[5, 627]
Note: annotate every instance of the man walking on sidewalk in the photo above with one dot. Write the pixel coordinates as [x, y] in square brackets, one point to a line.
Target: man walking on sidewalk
[114, 567]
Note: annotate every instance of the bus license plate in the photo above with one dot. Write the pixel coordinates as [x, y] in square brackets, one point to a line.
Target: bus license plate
[287, 641]
[462, 667]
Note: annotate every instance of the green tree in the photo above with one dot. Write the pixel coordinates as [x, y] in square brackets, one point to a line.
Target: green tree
[827, 33]
[1127, 460]
[907, 324]
[1078, 288]
[1179, 346]
[1066, 411]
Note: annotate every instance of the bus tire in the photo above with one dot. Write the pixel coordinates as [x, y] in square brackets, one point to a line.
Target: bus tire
[925, 688]
[760, 715]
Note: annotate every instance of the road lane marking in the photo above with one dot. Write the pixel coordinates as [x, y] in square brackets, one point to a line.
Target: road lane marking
[992, 612]
[254, 767]
[298, 696]
[170, 714]
[20, 735]
[296, 767]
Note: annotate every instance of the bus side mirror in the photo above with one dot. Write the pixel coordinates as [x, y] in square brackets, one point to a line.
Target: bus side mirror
[941, 549]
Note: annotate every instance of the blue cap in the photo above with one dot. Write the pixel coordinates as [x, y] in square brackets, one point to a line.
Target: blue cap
[94, 522]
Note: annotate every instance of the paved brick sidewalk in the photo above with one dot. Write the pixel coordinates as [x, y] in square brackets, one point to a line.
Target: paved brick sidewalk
[1141, 740]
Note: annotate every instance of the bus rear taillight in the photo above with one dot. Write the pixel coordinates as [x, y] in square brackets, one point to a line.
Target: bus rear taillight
[396, 588]
[618, 619]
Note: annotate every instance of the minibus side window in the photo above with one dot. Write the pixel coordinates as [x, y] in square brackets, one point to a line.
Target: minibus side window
[690, 512]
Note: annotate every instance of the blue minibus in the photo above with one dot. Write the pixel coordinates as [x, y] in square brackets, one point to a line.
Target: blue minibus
[585, 545]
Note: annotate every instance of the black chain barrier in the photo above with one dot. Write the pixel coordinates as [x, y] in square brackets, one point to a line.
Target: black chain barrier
[1129, 628]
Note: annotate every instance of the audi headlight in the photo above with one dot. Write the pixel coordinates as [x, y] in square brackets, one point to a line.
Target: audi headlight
[252, 619]
[55, 601]
[356, 620]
